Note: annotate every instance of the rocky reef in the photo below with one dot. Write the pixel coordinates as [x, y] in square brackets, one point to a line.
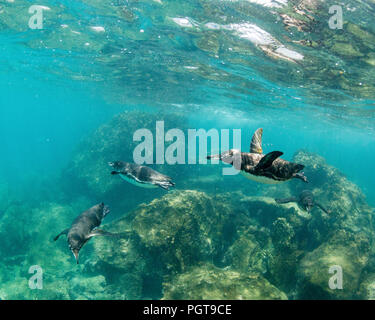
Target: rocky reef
[209, 282]
[194, 245]
[191, 244]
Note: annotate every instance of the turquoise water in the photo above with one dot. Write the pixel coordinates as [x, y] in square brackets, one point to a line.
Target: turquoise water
[73, 93]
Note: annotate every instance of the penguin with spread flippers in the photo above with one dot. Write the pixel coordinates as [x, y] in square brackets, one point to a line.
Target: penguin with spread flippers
[84, 227]
[305, 200]
[265, 168]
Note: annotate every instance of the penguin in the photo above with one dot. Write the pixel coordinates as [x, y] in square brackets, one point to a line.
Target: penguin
[141, 176]
[84, 227]
[264, 168]
[305, 200]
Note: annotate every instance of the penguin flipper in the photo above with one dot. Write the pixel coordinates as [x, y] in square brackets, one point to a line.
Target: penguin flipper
[60, 234]
[256, 142]
[267, 160]
[322, 208]
[100, 232]
[286, 200]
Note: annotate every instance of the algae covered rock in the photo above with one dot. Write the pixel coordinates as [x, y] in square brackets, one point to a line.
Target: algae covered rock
[348, 251]
[367, 287]
[250, 251]
[121, 259]
[29, 230]
[188, 226]
[176, 231]
[87, 288]
[171, 235]
[162, 238]
[211, 283]
[335, 192]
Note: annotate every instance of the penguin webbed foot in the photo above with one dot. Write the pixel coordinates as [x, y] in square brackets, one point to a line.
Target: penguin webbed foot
[301, 176]
[166, 186]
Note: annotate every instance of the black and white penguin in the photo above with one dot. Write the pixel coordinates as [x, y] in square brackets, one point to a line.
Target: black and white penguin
[259, 167]
[141, 176]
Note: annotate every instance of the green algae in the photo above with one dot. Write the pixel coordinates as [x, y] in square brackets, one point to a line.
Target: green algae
[347, 250]
[210, 283]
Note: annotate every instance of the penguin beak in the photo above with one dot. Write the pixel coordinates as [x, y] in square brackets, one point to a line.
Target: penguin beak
[214, 157]
[76, 255]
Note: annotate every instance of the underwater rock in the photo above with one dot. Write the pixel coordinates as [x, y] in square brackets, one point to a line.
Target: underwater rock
[122, 261]
[265, 210]
[347, 203]
[282, 234]
[187, 225]
[169, 236]
[18, 289]
[26, 229]
[165, 237]
[176, 231]
[27, 240]
[275, 233]
[250, 251]
[367, 287]
[87, 288]
[57, 287]
[289, 243]
[345, 249]
[211, 283]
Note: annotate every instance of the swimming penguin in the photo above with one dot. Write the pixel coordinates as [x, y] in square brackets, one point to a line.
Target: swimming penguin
[305, 200]
[84, 227]
[141, 176]
[262, 168]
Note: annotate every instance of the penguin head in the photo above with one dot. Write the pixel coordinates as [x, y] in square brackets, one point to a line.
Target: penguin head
[101, 210]
[116, 165]
[233, 157]
[75, 245]
[308, 204]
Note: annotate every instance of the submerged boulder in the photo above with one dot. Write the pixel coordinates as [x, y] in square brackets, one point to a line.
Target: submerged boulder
[345, 250]
[250, 251]
[184, 229]
[346, 202]
[168, 235]
[208, 282]
[367, 287]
